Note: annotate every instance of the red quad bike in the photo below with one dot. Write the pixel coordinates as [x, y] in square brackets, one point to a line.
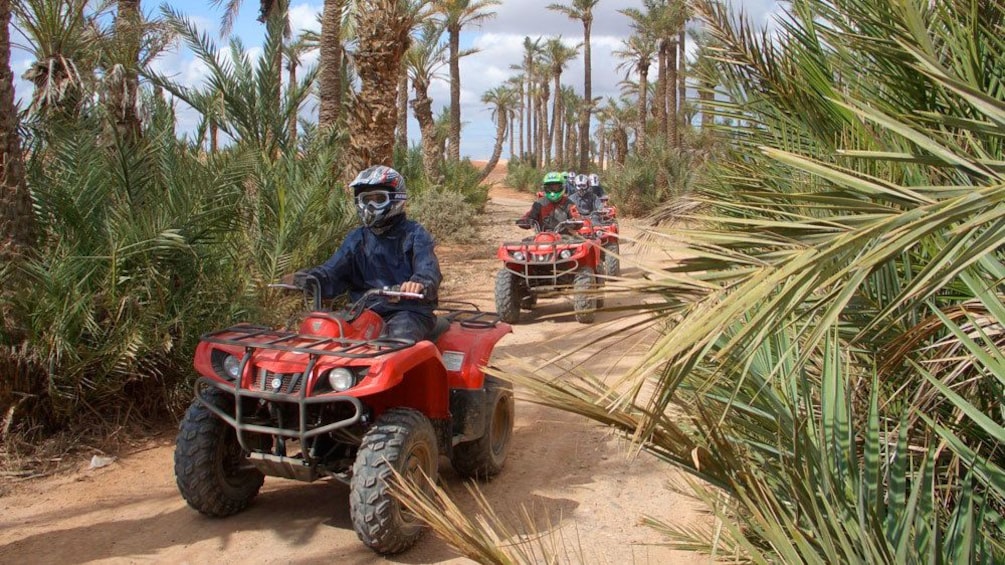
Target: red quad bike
[550, 263]
[334, 400]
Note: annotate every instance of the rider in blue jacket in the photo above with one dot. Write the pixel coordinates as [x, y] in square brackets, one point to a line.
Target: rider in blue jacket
[388, 250]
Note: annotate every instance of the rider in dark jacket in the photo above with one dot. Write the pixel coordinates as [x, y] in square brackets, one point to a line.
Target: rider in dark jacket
[587, 203]
[388, 250]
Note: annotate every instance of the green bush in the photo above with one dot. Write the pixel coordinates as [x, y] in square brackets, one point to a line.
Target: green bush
[446, 215]
[650, 179]
[523, 176]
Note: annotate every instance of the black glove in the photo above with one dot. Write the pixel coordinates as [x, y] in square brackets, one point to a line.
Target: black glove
[300, 279]
[524, 223]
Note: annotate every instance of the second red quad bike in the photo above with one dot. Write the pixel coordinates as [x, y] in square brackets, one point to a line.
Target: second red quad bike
[334, 400]
[551, 263]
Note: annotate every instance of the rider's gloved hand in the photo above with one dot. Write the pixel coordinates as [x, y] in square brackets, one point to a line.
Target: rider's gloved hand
[524, 223]
[299, 279]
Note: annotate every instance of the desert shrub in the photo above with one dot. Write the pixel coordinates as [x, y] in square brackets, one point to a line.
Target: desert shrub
[462, 177]
[522, 175]
[649, 179]
[445, 214]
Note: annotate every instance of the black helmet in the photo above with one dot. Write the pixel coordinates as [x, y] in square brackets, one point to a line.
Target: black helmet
[380, 196]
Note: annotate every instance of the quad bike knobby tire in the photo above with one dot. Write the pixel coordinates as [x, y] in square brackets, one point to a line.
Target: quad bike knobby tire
[508, 296]
[401, 440]
[612, 264]
[584, 301]
[210, 469]
[484, 457]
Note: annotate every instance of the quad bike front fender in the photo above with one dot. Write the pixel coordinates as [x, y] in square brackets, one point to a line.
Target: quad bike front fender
[414, 378]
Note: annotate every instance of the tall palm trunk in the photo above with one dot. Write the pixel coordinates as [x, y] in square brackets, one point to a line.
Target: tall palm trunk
[330, 79]
[640, 135]
[660, 101]
[520, 120]
[497, 149]
[555, 134]
[530, 107]
[401, 130]
[681, 81]
[673, 117]
[706, 96]
[601, 148]
[17, 221]
[543, 150]
[454, 33]
[560, 132]
[291, 126]
[584, 123]
[511, 130]
[383, 39]
[422, 106]
[125, 82]
[570, 140]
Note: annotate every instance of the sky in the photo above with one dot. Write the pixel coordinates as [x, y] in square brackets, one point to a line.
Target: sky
[499, 42]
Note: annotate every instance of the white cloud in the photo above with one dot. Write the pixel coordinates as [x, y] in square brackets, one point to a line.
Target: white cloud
[305, 17]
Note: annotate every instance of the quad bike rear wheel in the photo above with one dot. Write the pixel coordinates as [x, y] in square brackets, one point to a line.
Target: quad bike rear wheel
[612, 264]
[484, 457]
[210, 468]
[584, 300]
[402, 440]
[509, 292]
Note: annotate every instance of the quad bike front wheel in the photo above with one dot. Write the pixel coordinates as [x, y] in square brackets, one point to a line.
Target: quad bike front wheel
[484, 457]
[210, 468]
[402, 440]
[584, 301]
[508, 296]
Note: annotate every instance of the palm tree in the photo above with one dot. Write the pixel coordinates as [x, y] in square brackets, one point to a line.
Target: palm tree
[517, 83]
[582, 10]
[503, 101]
[557, 55]
[330, 62]
[638, 54]
[62, 38]
[456, 15]
[17, 221]
[382, 38]
[531, 51]
[423, 61]
[661, 20]
[124, 75]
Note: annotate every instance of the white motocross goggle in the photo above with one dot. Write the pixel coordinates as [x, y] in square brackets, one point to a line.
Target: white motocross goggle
[378, 199]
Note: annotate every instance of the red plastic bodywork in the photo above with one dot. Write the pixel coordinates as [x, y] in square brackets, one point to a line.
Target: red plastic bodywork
[413, 377]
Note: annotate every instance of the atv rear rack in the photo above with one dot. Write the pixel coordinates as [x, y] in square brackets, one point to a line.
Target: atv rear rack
[261, 337]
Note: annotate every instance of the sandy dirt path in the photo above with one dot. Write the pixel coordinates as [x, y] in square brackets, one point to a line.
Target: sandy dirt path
[563, 469]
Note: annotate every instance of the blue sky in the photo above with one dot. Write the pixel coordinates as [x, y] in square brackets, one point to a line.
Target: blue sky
[499, 41]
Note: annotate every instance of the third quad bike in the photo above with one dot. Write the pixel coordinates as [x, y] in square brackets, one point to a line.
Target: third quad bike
[335, 400]
[551, 263]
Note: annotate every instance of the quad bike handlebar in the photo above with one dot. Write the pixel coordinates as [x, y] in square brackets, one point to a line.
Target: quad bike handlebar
[572, 225]
[308, 283]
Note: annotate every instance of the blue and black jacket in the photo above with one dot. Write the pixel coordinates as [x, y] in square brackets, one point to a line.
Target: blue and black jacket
[366, 260]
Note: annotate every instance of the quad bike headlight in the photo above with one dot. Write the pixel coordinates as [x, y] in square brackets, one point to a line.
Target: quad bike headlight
[519, 256]
[341, 379]
[565, 253]
[232, 366]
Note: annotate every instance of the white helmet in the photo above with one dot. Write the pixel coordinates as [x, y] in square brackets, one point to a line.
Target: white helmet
[582, 183]
[594, 180]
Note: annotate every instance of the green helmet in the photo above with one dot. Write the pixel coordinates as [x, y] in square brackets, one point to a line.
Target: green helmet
[554, 186]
